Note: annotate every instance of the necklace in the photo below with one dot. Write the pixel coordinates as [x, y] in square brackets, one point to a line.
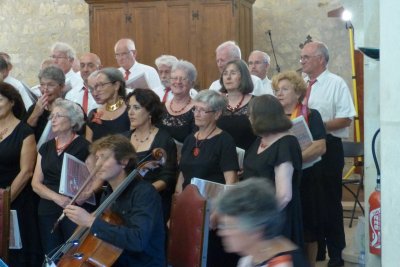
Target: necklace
[233, 109]
[196, 149]
[263, 145]
[115, 106]
[182, 109]
[147, 137]
[2, 133]
[61, 148]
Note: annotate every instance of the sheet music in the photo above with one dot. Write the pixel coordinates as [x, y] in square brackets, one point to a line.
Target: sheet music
[138, 81]
[15, 235]
[209, 189]
[46, 135]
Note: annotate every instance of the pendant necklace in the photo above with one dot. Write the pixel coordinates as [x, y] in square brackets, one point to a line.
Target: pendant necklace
[233, 109]
[196, 149]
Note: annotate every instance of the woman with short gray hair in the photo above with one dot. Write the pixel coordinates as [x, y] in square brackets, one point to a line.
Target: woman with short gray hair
[66, 118]
[209, 154]
[250, 224]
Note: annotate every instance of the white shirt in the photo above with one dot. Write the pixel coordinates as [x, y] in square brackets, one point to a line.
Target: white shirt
[257, 83]
[36, 90]
[76, 95]
[73, 80]
[160, 91]
[267, 86]
[151, 74]
[331, 96]
[21, 89]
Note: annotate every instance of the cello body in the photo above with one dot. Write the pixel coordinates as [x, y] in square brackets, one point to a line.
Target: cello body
[92, 251]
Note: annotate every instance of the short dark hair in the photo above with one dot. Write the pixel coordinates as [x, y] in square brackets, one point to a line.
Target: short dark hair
[246, 84]
[150, 101]
[267, 115]
[3, 64]
[52, 73]
[253, 204]
[9, 92]
[114, 75]
[121, 146]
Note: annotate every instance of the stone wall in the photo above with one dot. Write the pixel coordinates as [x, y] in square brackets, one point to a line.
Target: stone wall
[29, 27]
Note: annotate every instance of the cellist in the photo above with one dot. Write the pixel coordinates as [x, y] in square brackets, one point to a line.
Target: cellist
[142, 234]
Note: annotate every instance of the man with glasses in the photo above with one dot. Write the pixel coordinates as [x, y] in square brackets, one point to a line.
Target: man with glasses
[125, 54]
[63, 55]
[225, 53]
[329, 94]
[89, 63]
[258, 65]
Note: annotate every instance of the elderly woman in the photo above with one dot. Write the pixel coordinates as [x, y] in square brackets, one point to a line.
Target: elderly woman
[209, 154]
[250, 223]
[276, 156]
[17, 161]
[66, 119]
[290, 89]
[178, 119]
[52, 82]
[145, 110]
[108, 90]
[237, 86]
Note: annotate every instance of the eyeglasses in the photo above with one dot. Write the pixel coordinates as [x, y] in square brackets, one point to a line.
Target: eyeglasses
[307, 57]
[180, 79]
[257, 62]
[58, 57]
[98, 86]
[50, 86]
[123, 54]
[201, 111]
[57, 116]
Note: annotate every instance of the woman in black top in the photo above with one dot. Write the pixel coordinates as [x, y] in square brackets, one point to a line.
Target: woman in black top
[290, 89]
[209, 154]
[66, 119]
[237, 86]
[108, 89]
[144, 110]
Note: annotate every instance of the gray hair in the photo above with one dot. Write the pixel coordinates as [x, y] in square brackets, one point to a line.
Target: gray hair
[74, 112]
[187, 67]
[64, 48]
[253, 203]
[233, 48]
[52, 73]
[266, 57]
[114, 75]
[323, 50]
[167, 60]
[213, 99]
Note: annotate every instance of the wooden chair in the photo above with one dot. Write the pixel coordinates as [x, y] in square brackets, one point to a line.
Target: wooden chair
[188, 232]
[354, 150]
[5, 200]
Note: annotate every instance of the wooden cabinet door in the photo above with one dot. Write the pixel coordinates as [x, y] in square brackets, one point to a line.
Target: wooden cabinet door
[108, 24]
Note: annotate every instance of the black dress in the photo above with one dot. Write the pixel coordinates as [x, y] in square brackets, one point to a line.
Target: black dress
[41, 123]
[178, 126]
[285, 149]
[311, 187]
[296, 257]
[166, 173]
[101, 128]
[48, 210]
[237, 124]
[217, 155]
[26, 202]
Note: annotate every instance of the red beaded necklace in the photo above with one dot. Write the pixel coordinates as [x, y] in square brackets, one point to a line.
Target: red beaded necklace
[196, 149]
[233, 109]
[61, 148]
[182, 109]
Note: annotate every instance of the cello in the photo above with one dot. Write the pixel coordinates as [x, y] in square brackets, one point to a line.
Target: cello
[85, 249]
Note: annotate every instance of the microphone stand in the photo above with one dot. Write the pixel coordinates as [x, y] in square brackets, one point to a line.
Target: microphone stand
[278, 68]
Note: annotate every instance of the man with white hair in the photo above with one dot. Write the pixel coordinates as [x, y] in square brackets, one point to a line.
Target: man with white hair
[164, 65]
[27, 96]
[125, 54]
[258, 65]
[64, 55]
[229, 51]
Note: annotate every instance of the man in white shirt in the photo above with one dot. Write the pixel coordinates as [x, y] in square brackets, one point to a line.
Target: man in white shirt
[27, 96]
[226, 52]
[164, 65]
[125, 54]
[89, 63]
[329, 95]
[258, 66]
[63, 55]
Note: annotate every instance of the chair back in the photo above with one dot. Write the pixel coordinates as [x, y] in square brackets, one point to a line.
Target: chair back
[188, 229]
[4, 222]
[353, 149]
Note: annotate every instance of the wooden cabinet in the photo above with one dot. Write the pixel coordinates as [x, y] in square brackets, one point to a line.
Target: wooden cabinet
[188, 29]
